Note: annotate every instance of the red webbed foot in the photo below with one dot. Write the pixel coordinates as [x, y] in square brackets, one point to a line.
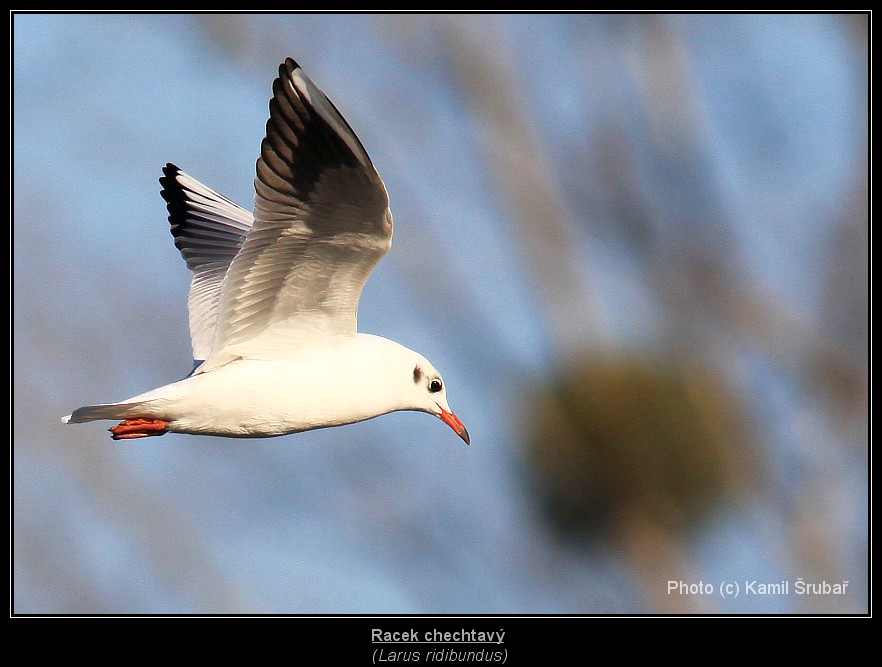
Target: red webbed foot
[138, 428]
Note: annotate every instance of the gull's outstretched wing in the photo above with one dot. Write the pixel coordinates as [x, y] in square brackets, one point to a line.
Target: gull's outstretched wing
[209, 230]
[321, 225]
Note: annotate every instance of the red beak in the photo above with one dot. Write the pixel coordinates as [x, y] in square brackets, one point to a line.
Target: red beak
[453, 422]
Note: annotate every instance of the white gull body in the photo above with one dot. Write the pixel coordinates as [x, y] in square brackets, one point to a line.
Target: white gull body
[274, 294]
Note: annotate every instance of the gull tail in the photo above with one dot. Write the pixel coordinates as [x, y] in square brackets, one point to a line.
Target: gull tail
[90, 413]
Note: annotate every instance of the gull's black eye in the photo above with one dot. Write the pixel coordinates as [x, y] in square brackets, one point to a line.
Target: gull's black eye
[435, 385]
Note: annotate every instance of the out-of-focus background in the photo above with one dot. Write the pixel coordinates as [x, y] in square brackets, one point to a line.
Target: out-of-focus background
[636, 246]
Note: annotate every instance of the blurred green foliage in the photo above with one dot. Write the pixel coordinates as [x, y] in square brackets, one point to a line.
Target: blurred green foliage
[618, 433]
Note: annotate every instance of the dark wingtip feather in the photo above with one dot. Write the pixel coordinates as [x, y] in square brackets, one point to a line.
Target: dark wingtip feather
[169, 172]
[175, 198]
[206, 226]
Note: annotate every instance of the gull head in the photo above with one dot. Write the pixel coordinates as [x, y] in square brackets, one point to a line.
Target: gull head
[429, 394]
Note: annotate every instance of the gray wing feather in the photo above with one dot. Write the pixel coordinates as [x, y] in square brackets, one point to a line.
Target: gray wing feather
[209, 230]
[321, 225]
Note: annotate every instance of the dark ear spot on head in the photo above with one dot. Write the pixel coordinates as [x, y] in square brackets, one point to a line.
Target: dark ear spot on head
[417, 374]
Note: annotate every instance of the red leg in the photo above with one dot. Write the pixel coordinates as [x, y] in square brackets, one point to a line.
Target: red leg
[138, 428]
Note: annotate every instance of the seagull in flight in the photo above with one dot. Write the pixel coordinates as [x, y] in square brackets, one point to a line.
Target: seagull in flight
[273, 298]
